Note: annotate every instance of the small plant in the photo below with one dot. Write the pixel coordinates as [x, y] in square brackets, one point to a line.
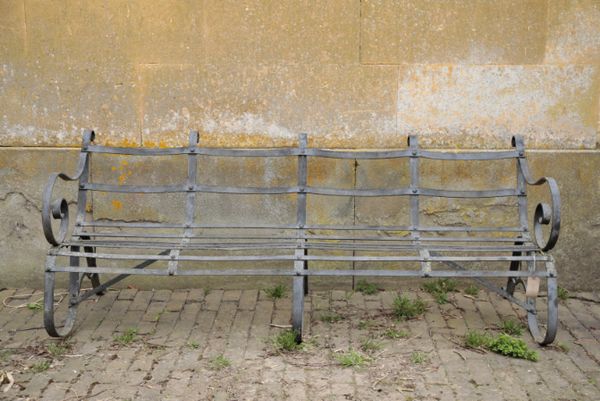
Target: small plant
[286, 341]
[275, 292]
[34, 306]
[418, 357]
[351, 359]
[126, 338]
[472, 290]
[40, 366]
[58, 349]
[440, 289]
[405, 308]
[563, 347]
[369, 345]
[512, 328]
[193, 345]
[366, 288]
[330, 317]
[5, 355]
[563, 294]
[219, 362]
[513, 347]
[395, 334]
[441, 298]
[477, 340]
[157, 317]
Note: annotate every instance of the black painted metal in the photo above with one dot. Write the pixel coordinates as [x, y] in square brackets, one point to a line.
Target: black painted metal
[429, 247]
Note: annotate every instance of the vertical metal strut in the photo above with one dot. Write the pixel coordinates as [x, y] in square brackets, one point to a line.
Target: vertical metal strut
[413, 146]
[300, 283]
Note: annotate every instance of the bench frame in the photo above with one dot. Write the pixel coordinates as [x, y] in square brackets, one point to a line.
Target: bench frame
[528, 251]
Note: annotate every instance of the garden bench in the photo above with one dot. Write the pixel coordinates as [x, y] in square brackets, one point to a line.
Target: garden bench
[488, 254]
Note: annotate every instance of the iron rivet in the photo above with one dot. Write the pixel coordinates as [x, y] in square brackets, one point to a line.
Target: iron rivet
[414, 152]
[190, 188]
[521, 153]
[415, 191]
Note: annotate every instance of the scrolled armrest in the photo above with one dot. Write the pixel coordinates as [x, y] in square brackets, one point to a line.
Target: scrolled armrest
[544, 214]
[59, 209]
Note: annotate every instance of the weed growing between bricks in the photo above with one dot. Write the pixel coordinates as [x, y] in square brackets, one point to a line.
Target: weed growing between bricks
[276, 292]
[440, 289]
[352, 359]
[366, 288]
[405, 308]
[286, 341]
[503, 344]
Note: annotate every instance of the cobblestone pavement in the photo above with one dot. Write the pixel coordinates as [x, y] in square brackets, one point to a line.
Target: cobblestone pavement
[198, 345]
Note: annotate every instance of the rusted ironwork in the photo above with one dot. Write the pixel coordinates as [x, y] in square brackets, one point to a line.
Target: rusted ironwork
[298, 244]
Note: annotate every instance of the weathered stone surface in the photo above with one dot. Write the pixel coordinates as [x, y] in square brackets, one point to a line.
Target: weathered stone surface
[338, 105]
[12, 30]
[115, 31]
[289, 31]
[478, 32]
[51, 104]
[483, 106]
[573, 32]
[23, 175]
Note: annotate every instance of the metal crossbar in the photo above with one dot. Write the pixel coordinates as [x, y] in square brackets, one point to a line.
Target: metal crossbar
[423, 249]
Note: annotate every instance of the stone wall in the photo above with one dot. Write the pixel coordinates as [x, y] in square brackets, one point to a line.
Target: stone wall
[350, 73]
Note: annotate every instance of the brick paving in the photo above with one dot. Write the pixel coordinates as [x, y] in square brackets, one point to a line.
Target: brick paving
[181, 341]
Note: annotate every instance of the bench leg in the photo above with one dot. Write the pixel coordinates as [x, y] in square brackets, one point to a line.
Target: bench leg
[541, 337]
[552, 317]
[298, 307]
[49, 322]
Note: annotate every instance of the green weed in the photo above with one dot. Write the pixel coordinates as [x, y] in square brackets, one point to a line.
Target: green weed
[418, 357]
[129, 336]
[366, 288]
[440, 289]
[512, 327]
[275, 292]
[405, 308]
[475, 339]
[395, 334]
[351, 359]
[330, 317]
[513, 347]
[219, 362]
[563, 294]
[40, 366]
[286, 341]
[472, 290]
[369, 345]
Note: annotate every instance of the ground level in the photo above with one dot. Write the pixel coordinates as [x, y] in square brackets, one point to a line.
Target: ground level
[198, 345]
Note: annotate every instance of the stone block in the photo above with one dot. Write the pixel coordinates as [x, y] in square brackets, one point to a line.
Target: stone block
[12, 30]
[115, 32]
[252, 106]
[51, 104]
[573, 32]
[289, 31]
[473, 32]
[484, 106]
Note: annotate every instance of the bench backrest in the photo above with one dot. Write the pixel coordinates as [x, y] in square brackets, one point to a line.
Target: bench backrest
[189, 184]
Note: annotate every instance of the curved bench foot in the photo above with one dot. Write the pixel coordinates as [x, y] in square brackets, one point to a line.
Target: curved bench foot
[552, 320]
[49, 322]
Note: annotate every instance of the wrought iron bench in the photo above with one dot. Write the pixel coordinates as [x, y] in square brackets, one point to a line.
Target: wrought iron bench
[516, 252]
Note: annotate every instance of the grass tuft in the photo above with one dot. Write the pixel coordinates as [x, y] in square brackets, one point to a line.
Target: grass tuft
[40, 366]
[286, 341]
[369, 345]
[472, 290]
[563, 294]
[476, 339]
[126, 338]
[58, 349]
[366, 288]
[418, 357]
[351, 359]
[440, 289]
[219, 362]
[405, 308]
[275, 292]
[395, 334]
[512, 327]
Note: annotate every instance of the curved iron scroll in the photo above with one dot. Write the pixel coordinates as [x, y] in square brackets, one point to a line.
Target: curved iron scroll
[59, 208]
[544, 214]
